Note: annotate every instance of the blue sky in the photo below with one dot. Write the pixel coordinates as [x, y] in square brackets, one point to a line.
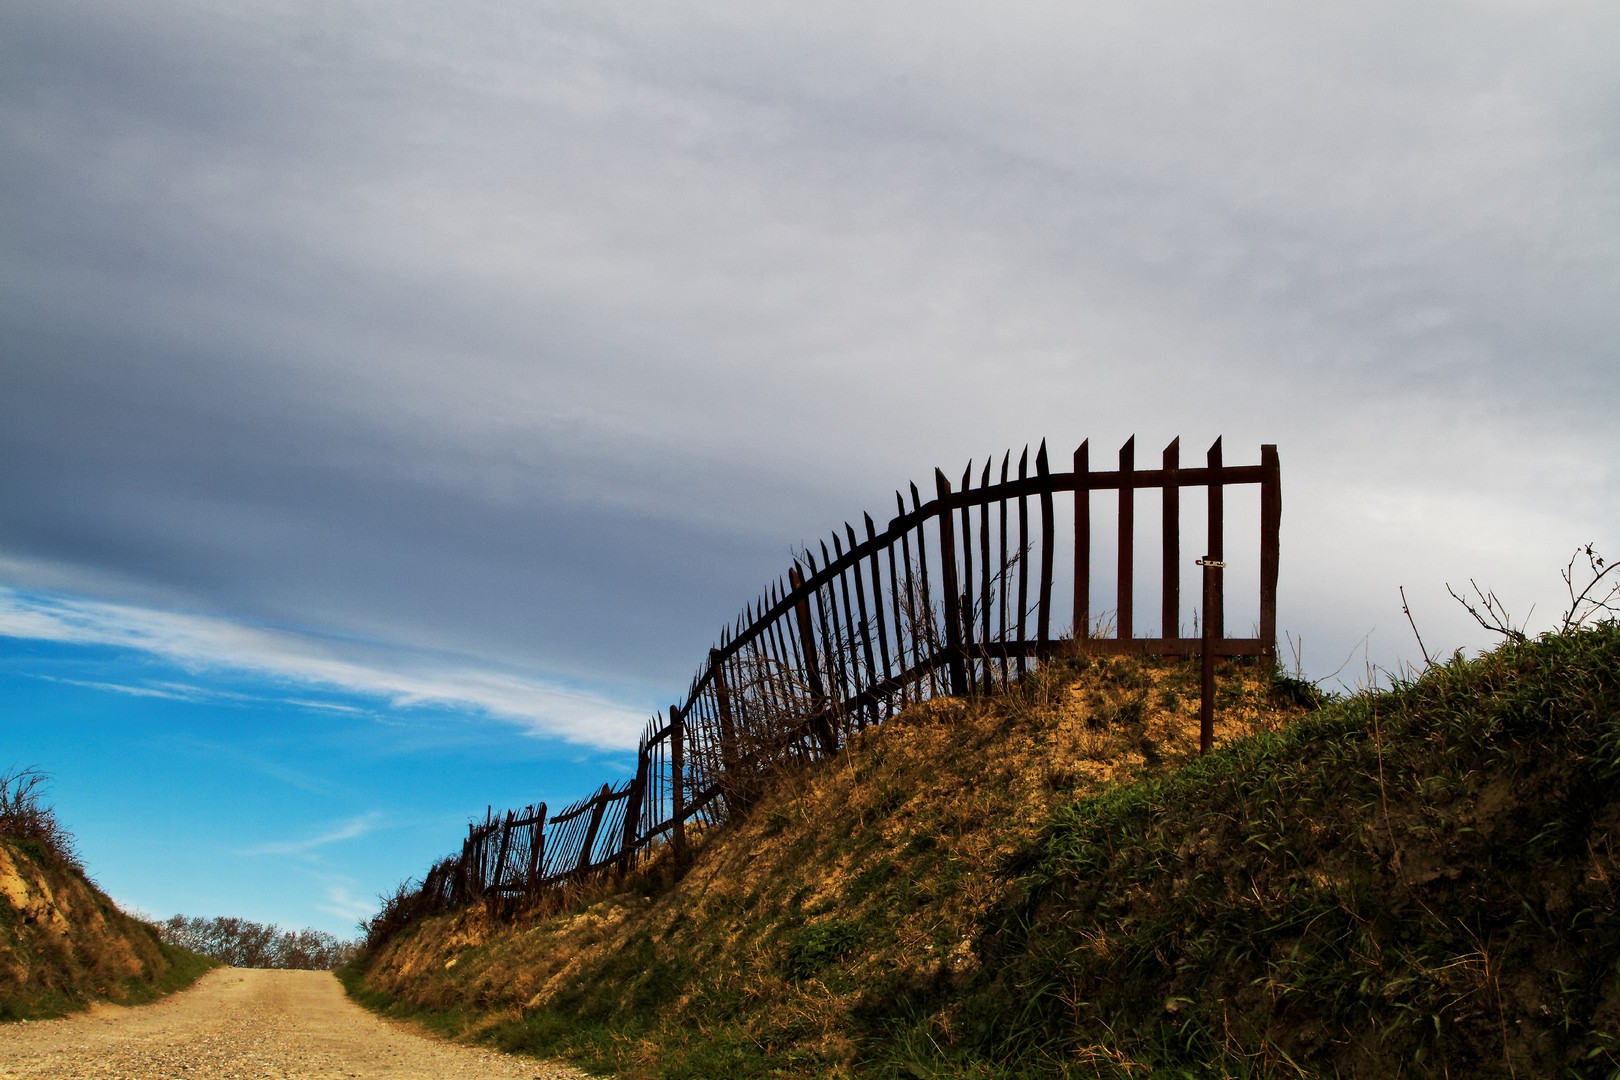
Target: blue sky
[396, 400]
[269, 798]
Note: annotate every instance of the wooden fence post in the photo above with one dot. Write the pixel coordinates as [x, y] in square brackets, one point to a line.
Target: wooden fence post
[596, 824]
[722, 697]
[947, 570]
[677, 785]
[632, 814]
[1125, 586]
[537, 849]
[1270, 526]
[1206, 673]
[506, 843]
[807, 639]
[464, 889]
[963, 542]
[812, 667]
[1215, 547]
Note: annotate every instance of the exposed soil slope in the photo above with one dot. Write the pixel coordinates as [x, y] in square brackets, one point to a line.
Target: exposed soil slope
[64, 944]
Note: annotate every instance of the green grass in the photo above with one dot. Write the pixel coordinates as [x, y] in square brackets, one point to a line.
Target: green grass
[1414, 882]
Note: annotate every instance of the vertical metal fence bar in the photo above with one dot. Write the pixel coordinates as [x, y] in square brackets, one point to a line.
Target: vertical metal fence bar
[851, 631]
[598, 805]
[868, 710]
[874, 569]
[905, 621]
[1082, 541]
[1043, 616]
[1170, 607]
[1023, 561]
[786, 680]
[965, 584]
[987, 676]
[1127, 539]
[825, 652]
[927, 615]
[947, 569]
[1215, 547]
[1006, 572]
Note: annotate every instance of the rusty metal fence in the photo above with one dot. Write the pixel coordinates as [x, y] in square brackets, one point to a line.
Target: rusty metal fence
[953, 596]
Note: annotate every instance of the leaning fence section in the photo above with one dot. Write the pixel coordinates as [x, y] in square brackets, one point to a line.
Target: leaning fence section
[954, 595]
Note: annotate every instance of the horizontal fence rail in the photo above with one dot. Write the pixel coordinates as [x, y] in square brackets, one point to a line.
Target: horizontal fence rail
[954, 595]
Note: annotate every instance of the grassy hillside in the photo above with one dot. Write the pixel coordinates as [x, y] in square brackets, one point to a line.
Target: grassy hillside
[63, 943]
[1418, 882]
[850, 889]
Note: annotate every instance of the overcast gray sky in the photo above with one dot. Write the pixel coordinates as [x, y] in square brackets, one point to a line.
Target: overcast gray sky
[497, 354]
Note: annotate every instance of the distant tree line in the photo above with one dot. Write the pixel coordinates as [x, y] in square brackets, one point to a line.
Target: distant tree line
[244, 943]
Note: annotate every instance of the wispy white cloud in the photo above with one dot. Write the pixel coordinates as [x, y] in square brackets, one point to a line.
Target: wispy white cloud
[174, 691]
[165, 693]
[210, 644]
[352, 829]
[327, 706]
[341, 902]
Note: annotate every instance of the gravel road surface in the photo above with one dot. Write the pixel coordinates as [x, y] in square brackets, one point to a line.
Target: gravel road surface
[246, 1024]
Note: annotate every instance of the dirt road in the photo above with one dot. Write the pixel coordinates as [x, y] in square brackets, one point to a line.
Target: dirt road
[243, 1024]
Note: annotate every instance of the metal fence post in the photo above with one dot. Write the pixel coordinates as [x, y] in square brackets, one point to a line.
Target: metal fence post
[1206, 675]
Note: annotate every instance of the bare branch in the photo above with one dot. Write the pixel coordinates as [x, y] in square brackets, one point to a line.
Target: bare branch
[1609, 601]
[1408, 612]
[1494, 616]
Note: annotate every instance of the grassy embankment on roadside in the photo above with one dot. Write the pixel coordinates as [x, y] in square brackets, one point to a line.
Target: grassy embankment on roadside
[63, 943]
[1419, 881]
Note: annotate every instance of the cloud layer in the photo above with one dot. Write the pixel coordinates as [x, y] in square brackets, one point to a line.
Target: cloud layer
[341, 339]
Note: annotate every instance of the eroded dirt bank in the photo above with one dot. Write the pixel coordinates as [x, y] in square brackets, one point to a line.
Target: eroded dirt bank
[253, 1025]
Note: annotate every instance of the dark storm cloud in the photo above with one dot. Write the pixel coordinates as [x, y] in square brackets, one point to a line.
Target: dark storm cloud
[538, 338]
